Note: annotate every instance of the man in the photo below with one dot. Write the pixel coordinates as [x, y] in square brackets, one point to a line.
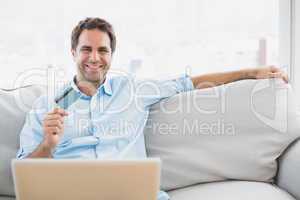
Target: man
[109, 114]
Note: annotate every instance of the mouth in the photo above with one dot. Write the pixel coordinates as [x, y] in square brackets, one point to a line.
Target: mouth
[93, 67]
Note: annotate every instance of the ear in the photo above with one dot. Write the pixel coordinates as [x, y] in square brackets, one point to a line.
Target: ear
[73, 52]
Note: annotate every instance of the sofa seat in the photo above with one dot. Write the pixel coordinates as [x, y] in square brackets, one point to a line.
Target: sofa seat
[231, 190]
[7, 198]
[227, 190]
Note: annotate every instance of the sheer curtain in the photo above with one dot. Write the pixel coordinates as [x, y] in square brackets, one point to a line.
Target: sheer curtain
[154, 38]
[295, 7]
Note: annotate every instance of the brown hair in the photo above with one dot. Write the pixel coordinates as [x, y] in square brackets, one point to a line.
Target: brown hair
[93, 23]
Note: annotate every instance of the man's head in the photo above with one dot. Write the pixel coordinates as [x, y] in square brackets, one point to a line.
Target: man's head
[93, 43]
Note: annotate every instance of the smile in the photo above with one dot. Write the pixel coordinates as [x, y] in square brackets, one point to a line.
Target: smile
[93, 67]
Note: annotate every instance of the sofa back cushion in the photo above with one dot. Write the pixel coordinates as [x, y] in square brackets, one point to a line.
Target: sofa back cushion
[234, 131]
[13, 106]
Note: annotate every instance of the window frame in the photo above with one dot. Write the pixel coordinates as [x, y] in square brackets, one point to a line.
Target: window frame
[289, 42]
[295, 47]
[285, 35]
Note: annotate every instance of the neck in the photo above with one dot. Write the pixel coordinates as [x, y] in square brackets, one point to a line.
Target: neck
[88, 87]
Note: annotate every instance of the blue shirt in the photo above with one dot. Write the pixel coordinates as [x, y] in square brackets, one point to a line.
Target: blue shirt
[108, 124]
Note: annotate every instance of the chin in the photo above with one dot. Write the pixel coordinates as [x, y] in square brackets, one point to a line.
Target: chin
[94, 78]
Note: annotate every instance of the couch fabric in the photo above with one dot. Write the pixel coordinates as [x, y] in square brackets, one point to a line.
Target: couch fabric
[236, 131]
[231, 190]
[7, 198]
[13, 106]
[199, 156]
[288, 177]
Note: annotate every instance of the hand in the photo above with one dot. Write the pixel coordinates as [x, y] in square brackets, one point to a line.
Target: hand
[53, 127]
[270, 72]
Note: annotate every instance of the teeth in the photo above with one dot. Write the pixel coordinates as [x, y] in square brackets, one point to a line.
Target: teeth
[90, 66]
[94, 67]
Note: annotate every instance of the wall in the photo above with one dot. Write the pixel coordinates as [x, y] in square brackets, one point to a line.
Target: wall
[296, 47]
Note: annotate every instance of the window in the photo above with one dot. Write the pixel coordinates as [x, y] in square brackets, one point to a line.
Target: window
[295, 47]
[154, 38]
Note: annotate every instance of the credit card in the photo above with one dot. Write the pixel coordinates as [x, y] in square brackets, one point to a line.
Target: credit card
[67, 98]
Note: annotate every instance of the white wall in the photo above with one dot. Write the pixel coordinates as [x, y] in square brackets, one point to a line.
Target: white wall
[285, 18]
[296, 47]
[166, 37]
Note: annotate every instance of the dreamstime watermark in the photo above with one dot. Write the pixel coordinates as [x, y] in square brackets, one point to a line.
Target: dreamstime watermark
[139, 95]
[192, 127]
[135, 93]
[272, 108]
[124, 128]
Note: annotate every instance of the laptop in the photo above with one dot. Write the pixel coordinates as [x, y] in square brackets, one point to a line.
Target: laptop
[71, 179]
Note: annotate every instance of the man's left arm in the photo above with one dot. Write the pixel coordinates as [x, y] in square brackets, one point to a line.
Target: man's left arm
[215, 79]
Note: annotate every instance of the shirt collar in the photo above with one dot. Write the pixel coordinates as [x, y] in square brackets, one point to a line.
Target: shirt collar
[106, 86]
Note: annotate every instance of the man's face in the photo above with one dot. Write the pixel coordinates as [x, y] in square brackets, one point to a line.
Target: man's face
[92, 56]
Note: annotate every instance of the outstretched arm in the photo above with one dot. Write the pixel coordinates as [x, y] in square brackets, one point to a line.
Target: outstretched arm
[215, 79]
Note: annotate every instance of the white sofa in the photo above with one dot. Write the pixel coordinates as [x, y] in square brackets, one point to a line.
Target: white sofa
[237, 141]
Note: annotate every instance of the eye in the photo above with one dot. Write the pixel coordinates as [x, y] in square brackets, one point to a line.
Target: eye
[85, 50]
[103, 51]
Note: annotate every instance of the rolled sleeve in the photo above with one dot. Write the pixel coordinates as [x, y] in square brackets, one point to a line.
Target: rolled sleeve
[151, 91]
[162, 195]
[31, 134]
[184, 83]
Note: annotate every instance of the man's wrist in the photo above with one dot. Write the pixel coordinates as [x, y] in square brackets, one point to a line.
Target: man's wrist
[250, 73]
[47, 148]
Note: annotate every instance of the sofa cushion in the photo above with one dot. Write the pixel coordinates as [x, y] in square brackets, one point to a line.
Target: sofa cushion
[231, 190]
[235, 131]
[7, 198]
[288, 176]
[13, 105]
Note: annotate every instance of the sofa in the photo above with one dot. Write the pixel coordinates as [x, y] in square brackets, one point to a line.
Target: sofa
[235, 141]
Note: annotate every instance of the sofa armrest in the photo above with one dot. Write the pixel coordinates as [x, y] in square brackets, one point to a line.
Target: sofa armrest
[288, 177]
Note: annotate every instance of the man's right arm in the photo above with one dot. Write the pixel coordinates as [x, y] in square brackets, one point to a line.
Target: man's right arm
[42, 151]
[53, 128]
[219, 78]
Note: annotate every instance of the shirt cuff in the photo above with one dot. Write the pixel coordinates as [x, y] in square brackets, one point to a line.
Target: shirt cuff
[185, 83]
[24, 152]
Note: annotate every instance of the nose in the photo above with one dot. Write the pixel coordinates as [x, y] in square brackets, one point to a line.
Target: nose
[94, 57]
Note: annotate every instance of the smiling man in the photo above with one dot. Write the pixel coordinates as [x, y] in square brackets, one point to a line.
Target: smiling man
[105, 116]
